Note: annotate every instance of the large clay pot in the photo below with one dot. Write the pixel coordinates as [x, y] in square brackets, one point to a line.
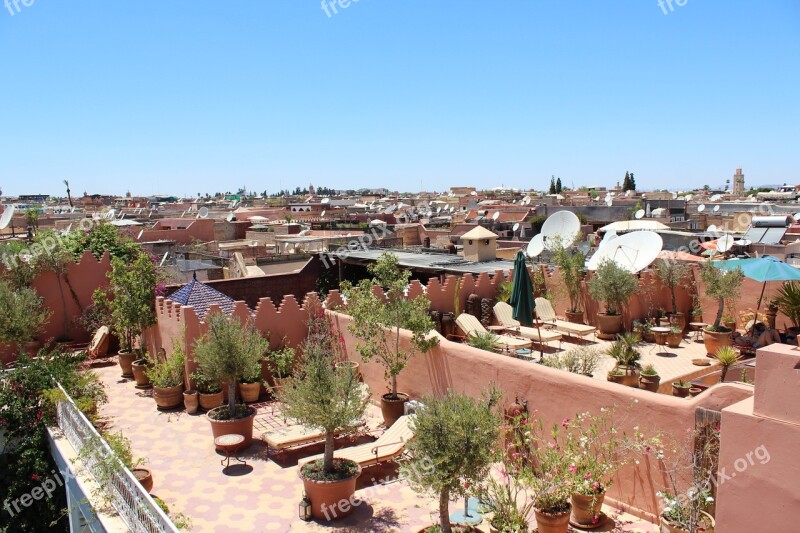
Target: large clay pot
[575, 318]
[126, 360]
[552, 523]
[680, 392]
[609, 325]
[211, 401]
[649, 383]
[631, 377]
[668, 527]
[678, 320]
[326, 497]
[238, 426]
[352, 365]
[250, 392]
[674, 339]
[586, 510]
[168, 397]
[715, 340]
[392, 409]
[615, 378]
[144, 476]
[139, 368]
[191, 401]
[32, 348]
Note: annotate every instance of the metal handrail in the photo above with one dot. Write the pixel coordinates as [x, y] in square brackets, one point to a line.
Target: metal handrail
[135, 506]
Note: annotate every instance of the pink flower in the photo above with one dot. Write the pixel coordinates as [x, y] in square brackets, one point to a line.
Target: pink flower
[587, 476]
[565, 422]
[595, 485]
[595, 518]
[35, 477]
[573, 468]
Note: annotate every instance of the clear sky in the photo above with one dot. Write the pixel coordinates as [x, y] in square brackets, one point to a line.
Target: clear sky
[197, 96]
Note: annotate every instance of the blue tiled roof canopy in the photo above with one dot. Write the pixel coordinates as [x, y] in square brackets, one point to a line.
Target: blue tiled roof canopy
[201, 297]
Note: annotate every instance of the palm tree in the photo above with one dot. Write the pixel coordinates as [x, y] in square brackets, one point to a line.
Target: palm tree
[69, 195]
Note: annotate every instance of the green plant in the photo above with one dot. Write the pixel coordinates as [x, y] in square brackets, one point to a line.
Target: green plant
[484, 341]
[721, 285]
[133, 293]
[582, 360]
[229, 349]
[624, 351]
[180, 520]
[280, 361]
[788, 301]
[377, 321]
[22, 315]
[649, 370]
[727, 356]
[613, 285]
[452, 448]
[671, 274]
[681, 384]
[204, 385]
[502, 494]
[570, 263]
[504, 291]
[675, 329]
[319, 395]
[168, 372]
[106, 457]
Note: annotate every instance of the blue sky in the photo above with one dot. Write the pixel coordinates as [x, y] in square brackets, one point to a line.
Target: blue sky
[198, 96]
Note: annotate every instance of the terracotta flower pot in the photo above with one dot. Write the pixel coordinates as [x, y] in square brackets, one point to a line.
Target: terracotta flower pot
[694, 391]
[237, 426]
[714, 340]
[609, 325]
[552, 523]
[250, 392]
[660, 338]
[674, 339]
[615, 378]
[575, 318]
[586, 510]
[327, 497]
[678, 320]
[680, 392]
[392, 409]
[649, 383]
[210, 401]
[126, 360]
[139, 368]
[707, 527]
[631, 376]
[144, 476]
[191, 401]
[354, 366]
[32, 347]
[168, 397]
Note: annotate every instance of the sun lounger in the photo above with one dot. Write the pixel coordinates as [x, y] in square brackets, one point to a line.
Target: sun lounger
[388, 447]
[472, 326]
[298, 435]
[505, 316]
[546, 313]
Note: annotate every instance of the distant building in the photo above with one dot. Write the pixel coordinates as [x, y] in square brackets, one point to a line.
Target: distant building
[738, 182]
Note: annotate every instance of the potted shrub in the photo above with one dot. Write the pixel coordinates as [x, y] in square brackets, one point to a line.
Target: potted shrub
[675, 336]
[727, 356]
[321, 396]
[787, 300]
[107, 457]
[505, 497]
[614, 286]
[209, 392]
[377, 324]
[721, 285]
[616, 375]
[228, 349]
[250, 385]
[166, 374]
[649, 379]
[132, 288]
[624, 352]
[484, 341]
[279, 364]
[570, 263]
[22, 317]
[671, 274]
[681, 388]
[452, 448]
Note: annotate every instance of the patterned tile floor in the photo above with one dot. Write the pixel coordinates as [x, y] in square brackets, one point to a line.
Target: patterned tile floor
[263, 496]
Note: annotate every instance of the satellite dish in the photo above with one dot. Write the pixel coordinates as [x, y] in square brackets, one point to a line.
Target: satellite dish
[674, 195]
[5, 218]
[701, 208]
[536, 246]
[111, 214]
[230, 217]
[628, 193]
[633, 251]
[716, 198]
[638, 215]
[323, 214]
[473, 193]
[515, 227]
[496, 215]
[203, 213]
[562, 227]
[607, 237]
[140, 235]
[724, 243]
[712, 228]
[716, 209]
[688, 197]
[742, 242]
[797, 216]
[326, 200]
[164, 259]
[609, 201]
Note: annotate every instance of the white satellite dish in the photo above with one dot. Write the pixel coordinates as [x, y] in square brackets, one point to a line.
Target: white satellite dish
[701, 208]
[164, 259]
[323, 214]
[674, 195]
[515, 227]
[724, 243]
[711, 229]
[716, 209]
[688, 197]
[628, 193]
[742, 242]
[496, 215]
[203, 213]
[562, 226]
[716, 198]
[797, 216]
[140, 235]
[633, 251]
[536, 246]
[230, 217]
[638, 215]
[111, 214]
[473, 193]
[5, 218]
[609, 201]
[608, 236]
[326, 201]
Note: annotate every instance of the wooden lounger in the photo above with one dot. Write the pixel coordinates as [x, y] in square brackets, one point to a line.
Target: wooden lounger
[472, 326]
[388, 447]
[298, 435]
[546, 313]
[505, 316]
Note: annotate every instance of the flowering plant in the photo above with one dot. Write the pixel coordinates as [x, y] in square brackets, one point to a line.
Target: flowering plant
[543, 465]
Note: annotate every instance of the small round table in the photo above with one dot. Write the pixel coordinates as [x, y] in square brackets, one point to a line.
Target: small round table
[230, 444]
[697, 328]
[660, 334]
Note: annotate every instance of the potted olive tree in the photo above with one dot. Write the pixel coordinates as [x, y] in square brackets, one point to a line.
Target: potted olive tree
[321, 396]
[614, 286]
[229, 349]
[570, 263]
[132, 299]
[21, 315]
[720, 285]
[452, 449]
[671, 274]
[377, 323]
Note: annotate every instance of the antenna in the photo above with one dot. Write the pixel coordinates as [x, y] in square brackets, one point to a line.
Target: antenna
[164, 259]
[536, 246]
[633, 251]
[639, 214]
[5, 218]
[562, 226]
